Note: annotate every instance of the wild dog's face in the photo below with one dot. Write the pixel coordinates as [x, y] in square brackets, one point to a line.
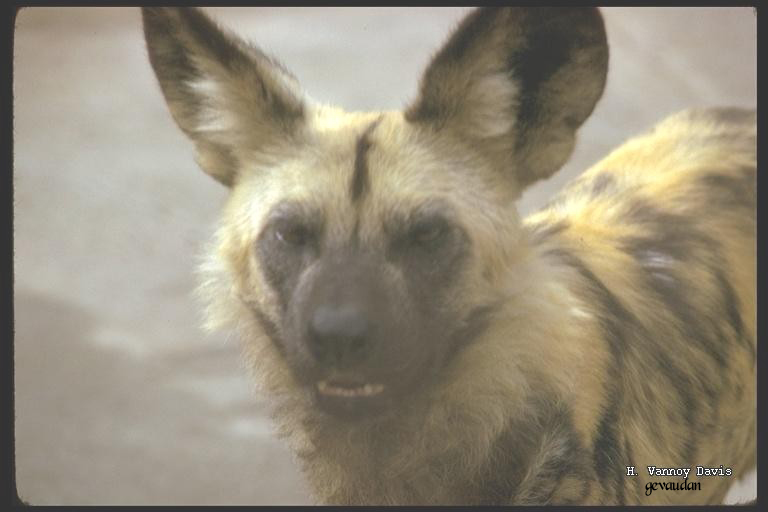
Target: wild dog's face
[364, 268]
[370, 246]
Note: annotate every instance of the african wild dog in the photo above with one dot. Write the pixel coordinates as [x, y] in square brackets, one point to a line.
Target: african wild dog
[423, 344]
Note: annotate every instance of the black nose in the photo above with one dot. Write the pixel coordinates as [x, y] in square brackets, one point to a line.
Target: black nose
[339, 334]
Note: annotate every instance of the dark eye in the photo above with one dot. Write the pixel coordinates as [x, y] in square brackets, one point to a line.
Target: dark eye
[296, 235]
[428, 233]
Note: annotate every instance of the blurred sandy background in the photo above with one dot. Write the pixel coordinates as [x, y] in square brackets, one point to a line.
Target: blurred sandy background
[120, 397]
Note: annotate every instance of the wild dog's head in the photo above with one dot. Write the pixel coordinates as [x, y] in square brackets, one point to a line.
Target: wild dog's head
[363, 250]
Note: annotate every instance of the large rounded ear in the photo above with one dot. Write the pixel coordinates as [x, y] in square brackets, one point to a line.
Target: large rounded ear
[231, 99]
[516, 83]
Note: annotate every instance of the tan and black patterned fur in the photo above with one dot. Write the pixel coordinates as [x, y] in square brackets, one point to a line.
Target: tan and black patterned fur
[524, 361]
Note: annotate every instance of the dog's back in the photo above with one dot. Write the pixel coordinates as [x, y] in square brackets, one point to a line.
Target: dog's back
[660, 236]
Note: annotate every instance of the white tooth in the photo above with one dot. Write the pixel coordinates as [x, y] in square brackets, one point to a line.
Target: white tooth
[364, 390]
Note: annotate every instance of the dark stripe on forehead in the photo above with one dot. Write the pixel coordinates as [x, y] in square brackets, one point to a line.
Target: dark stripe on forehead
[360, 174]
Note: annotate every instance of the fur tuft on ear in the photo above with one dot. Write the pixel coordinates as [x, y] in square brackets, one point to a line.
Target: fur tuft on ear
[517, 82]
[227, 96]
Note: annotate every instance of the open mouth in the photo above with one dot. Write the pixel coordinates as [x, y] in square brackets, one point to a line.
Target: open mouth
[345, 389]
[351, 400]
